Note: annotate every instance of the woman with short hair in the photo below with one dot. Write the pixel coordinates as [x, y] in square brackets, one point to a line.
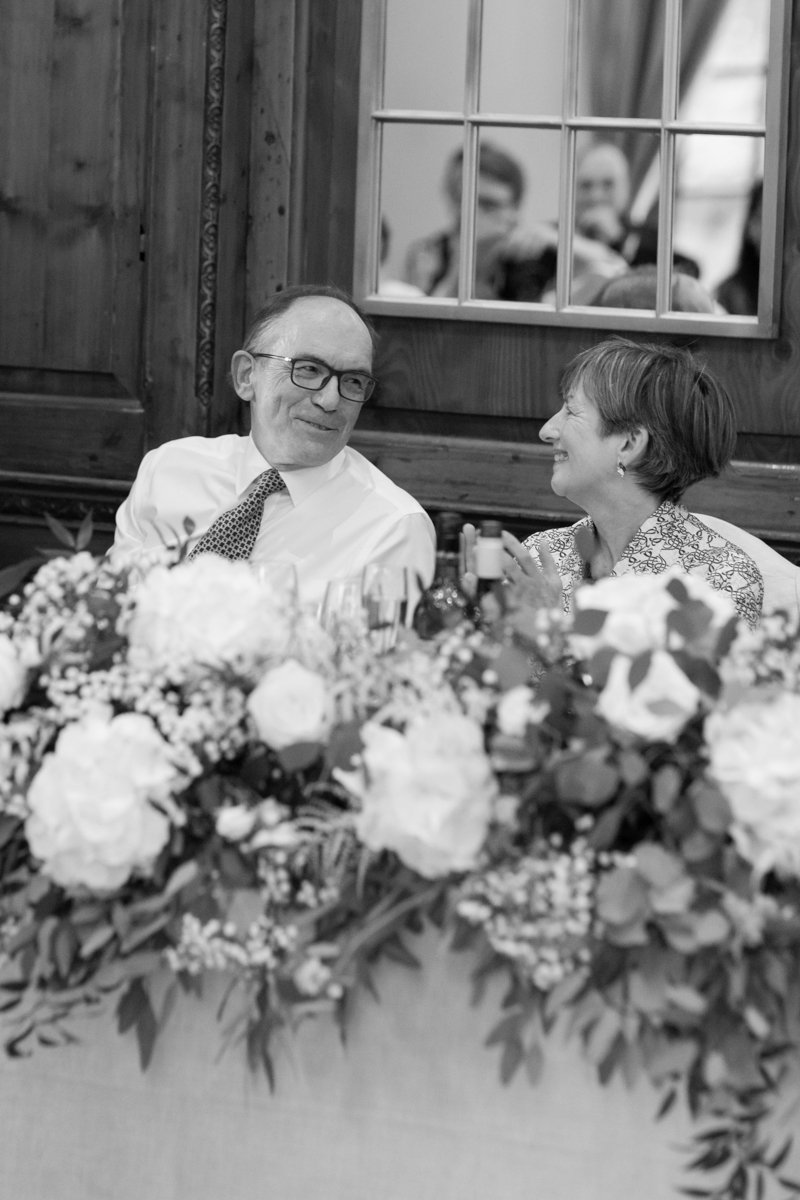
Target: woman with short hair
[639, 424]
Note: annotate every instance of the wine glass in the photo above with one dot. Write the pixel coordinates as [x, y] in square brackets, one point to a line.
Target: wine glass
[341, 603]
[385, 596]
[280, 578]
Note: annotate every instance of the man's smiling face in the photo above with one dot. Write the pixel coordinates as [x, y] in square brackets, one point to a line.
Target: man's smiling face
[293, 427]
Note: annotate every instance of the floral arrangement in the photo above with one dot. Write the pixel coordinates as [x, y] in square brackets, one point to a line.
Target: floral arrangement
[604, 807]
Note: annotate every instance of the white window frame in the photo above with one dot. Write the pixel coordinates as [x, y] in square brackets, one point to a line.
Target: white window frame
[471, 121]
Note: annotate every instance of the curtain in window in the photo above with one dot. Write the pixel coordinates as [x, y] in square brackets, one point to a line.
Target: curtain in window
[623, 68]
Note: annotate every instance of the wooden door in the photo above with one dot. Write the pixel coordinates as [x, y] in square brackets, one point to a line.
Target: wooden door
[124, 138]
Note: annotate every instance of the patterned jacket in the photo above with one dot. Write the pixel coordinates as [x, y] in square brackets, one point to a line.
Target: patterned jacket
[671, 536]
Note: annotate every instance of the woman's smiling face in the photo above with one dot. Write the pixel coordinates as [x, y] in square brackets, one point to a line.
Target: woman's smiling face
[584, 458]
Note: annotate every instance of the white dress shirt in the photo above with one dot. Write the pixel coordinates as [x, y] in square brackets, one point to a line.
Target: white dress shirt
[330, 522]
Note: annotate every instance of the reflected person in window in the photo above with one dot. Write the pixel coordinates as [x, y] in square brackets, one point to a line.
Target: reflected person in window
[602, 212]
[637, 289]
[738, 294]
[305, 371]
[639, 424]
[504, 268]
[512, 261]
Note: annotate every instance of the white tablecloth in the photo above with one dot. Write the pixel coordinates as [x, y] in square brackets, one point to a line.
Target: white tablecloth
[411, 1109]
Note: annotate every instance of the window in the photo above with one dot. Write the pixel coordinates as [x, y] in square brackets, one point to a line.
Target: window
[582, 162]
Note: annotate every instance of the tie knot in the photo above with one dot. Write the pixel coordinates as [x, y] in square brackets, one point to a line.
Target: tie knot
[267, 483]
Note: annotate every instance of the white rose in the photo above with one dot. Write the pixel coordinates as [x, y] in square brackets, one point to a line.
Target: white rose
[209, 613]
[635, 607]
[291, 704]
[516, 710]
[755, 758]
[91, 819]
[657, 708]
[426, 794]
[235, 822]
[13, 676]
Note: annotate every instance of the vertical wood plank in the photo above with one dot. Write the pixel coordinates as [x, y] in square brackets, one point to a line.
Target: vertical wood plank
[231, 277]
[331, 143]
[173, 221]
[130, 189]
[78, 283]
[272, 161]
[341, 220]
[25, 52]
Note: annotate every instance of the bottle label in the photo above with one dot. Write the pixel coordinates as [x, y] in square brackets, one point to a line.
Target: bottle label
[489, 556]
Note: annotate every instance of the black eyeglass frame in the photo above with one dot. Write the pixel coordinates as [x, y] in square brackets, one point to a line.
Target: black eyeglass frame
[337, 375]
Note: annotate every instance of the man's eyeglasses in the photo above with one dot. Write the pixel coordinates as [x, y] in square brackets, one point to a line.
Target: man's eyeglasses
[312, 375]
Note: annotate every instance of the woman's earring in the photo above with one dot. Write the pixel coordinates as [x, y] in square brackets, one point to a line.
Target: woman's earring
[621, 469]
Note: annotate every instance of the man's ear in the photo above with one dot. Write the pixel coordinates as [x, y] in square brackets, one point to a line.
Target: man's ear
[242, 367]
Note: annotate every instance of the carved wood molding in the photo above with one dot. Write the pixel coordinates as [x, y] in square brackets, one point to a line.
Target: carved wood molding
[25, 504]
[512, 480]
[209, 207]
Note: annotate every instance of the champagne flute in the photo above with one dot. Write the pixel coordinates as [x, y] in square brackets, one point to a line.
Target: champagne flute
[342, 603]
[385, 595]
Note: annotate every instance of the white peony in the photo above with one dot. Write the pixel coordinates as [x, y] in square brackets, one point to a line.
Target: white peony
[517, 709]
[427, 794]
[657, 708]
[235, 822]
[636, 609]
[291, 704]
[92, 821]
[13, 676]
[207, 614]
[755, 759]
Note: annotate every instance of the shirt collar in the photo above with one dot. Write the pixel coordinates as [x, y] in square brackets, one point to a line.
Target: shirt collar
[300, 483]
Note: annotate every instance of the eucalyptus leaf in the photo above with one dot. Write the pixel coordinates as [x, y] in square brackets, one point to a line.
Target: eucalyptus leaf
[622, 897]
[534, 1062]
[511, 1059]
[588, 781]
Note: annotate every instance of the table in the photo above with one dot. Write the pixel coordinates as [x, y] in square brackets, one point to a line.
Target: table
[410, 1109]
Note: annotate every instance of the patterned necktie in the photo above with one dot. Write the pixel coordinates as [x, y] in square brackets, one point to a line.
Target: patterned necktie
[233, 534]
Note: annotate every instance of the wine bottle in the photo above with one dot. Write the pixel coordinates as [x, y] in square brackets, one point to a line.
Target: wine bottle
[488, 562]
[444, 604]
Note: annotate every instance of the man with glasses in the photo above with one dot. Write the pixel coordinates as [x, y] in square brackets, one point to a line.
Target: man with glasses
[501, 273]
[305, 371]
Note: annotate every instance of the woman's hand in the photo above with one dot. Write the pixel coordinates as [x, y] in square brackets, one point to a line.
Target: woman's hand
[536, 585]
[532, 584]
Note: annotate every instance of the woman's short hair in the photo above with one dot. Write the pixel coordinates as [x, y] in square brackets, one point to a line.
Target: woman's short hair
[687, 413]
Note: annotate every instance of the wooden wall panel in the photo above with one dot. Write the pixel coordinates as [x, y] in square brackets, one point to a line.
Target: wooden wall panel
[124, 159]
[69, 232]
[510, 479]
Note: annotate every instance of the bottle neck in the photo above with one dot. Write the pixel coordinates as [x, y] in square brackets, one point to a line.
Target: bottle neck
[448, 564]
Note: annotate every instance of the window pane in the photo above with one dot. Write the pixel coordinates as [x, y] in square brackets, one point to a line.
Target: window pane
[418, 210]
[616, 221]
[620, 58]
[715, 178]
[516, 211]
[522, 56]
[426, 47]
[724, 49]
